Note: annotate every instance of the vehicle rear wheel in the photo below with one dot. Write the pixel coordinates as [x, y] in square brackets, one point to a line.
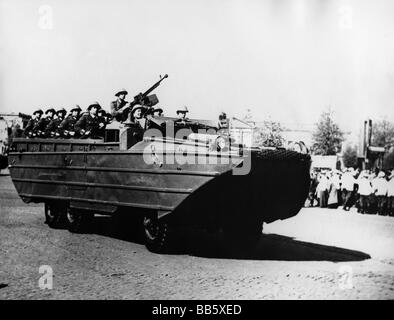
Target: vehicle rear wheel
[78, 221]
[156, 233]
[54, 215]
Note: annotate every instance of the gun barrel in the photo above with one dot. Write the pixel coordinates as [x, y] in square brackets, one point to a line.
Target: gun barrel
[8, 115]
[20, 115]
[154, 86]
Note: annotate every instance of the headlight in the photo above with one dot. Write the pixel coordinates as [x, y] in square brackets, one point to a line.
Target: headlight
[221, 143]
[297, 147]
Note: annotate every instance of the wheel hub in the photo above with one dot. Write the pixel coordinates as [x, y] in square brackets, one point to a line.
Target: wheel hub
[71, 216]
[151, 228]
[50, 213]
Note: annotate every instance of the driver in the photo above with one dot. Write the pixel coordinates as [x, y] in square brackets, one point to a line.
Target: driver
[137, 118]
[181, 113]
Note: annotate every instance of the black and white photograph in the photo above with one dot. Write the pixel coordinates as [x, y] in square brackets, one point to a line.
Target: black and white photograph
[217, 151]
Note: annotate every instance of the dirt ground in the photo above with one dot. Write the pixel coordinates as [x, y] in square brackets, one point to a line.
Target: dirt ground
[319, 254]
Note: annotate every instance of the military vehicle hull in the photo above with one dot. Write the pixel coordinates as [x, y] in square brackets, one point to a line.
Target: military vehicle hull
[170, 184]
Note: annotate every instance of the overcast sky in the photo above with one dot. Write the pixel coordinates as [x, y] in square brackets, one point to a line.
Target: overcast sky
[284, 59]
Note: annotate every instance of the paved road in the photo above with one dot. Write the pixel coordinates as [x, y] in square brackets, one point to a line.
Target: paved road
[319, 254]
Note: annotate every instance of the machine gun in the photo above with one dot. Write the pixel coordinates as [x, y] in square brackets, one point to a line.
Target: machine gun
[24, 116]
[145, 99]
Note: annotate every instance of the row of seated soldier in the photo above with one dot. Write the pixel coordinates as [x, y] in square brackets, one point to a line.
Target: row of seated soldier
[55, 124]
[93, 122]
[90, 124]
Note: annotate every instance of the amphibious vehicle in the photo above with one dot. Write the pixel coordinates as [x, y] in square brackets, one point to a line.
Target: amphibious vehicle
[177, 174]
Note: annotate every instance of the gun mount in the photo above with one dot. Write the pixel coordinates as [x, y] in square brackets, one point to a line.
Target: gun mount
[144, 99]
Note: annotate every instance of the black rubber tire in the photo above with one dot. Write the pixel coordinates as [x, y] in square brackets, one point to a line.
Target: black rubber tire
[241, 237]
[78, 221]
[156, 234]
[3, 162]
[54, 215]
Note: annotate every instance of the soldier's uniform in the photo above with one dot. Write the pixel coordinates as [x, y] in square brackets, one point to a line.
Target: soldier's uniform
[67, 126]
[52, 129]
[40, 128]
[29, 128]
[31, 124]
[88, 125]
[117, 105]
[102, 118]
[138, 125]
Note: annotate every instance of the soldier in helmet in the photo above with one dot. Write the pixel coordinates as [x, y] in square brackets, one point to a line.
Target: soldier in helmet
[66, 127]
[223, 121]
[52, 129]
[137, 117]
[181, 113]
[158, 112]
[44, 121]
[182, 120]
[102, 115]
[29, 132]
[119, 108]
[137, 121]
[89, 123]
[103, 118]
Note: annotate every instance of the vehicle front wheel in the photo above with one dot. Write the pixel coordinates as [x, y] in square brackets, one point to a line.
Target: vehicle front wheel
[156, 233]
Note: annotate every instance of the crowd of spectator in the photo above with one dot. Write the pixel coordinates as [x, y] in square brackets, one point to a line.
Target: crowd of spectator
[370, 191]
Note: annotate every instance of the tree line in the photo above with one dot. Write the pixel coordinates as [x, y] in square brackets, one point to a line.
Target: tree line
[328, 138]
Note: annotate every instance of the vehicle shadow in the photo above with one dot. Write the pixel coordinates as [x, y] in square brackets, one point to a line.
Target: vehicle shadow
[210, 245]
[275, 247]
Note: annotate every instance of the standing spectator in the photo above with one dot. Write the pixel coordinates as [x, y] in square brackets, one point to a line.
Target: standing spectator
[365, 191]
[348, 182]
[312, 189]
[373, 206]
[379, 185]
[340, 202]
[334, 188]
[322, 189]
[390, 194]
[356, 173]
